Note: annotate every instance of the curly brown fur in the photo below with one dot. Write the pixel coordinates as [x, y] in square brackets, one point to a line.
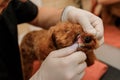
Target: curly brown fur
[36, 45]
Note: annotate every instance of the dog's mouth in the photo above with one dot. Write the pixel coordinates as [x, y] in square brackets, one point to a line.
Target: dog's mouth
[81, 41]
[86, 41]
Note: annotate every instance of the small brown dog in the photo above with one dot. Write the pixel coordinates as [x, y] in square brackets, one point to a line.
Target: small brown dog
[36, 45]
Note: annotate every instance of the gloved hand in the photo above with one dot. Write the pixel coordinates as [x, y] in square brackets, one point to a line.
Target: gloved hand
[63, 64]
[90, 23]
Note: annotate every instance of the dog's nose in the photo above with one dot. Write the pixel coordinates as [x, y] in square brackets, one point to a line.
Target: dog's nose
[87, 39]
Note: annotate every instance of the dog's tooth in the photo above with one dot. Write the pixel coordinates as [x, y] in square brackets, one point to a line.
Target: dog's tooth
[80, 44]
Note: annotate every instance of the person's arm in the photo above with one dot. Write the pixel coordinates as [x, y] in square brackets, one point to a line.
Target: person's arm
[47, 17]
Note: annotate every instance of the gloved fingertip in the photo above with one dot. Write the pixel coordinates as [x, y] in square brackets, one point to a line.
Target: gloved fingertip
[74, 46]
[101, 41]
[89, 29]
[92, 31]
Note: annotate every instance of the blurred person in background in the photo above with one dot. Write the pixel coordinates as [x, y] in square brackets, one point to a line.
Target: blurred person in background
[109, 12]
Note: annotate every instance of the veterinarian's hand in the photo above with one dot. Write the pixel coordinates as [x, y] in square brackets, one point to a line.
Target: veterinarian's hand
[90, 23]
[63, 64]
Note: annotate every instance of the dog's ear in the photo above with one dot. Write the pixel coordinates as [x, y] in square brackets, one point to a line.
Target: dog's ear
[51, 39]
[51, 31]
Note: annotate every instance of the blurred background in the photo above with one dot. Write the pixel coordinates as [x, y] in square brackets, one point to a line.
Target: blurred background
[109, 12]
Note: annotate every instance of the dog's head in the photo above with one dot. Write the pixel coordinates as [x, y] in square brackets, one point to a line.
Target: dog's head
[65, 34]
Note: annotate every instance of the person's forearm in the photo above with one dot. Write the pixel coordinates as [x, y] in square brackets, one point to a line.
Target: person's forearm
[47, 17]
